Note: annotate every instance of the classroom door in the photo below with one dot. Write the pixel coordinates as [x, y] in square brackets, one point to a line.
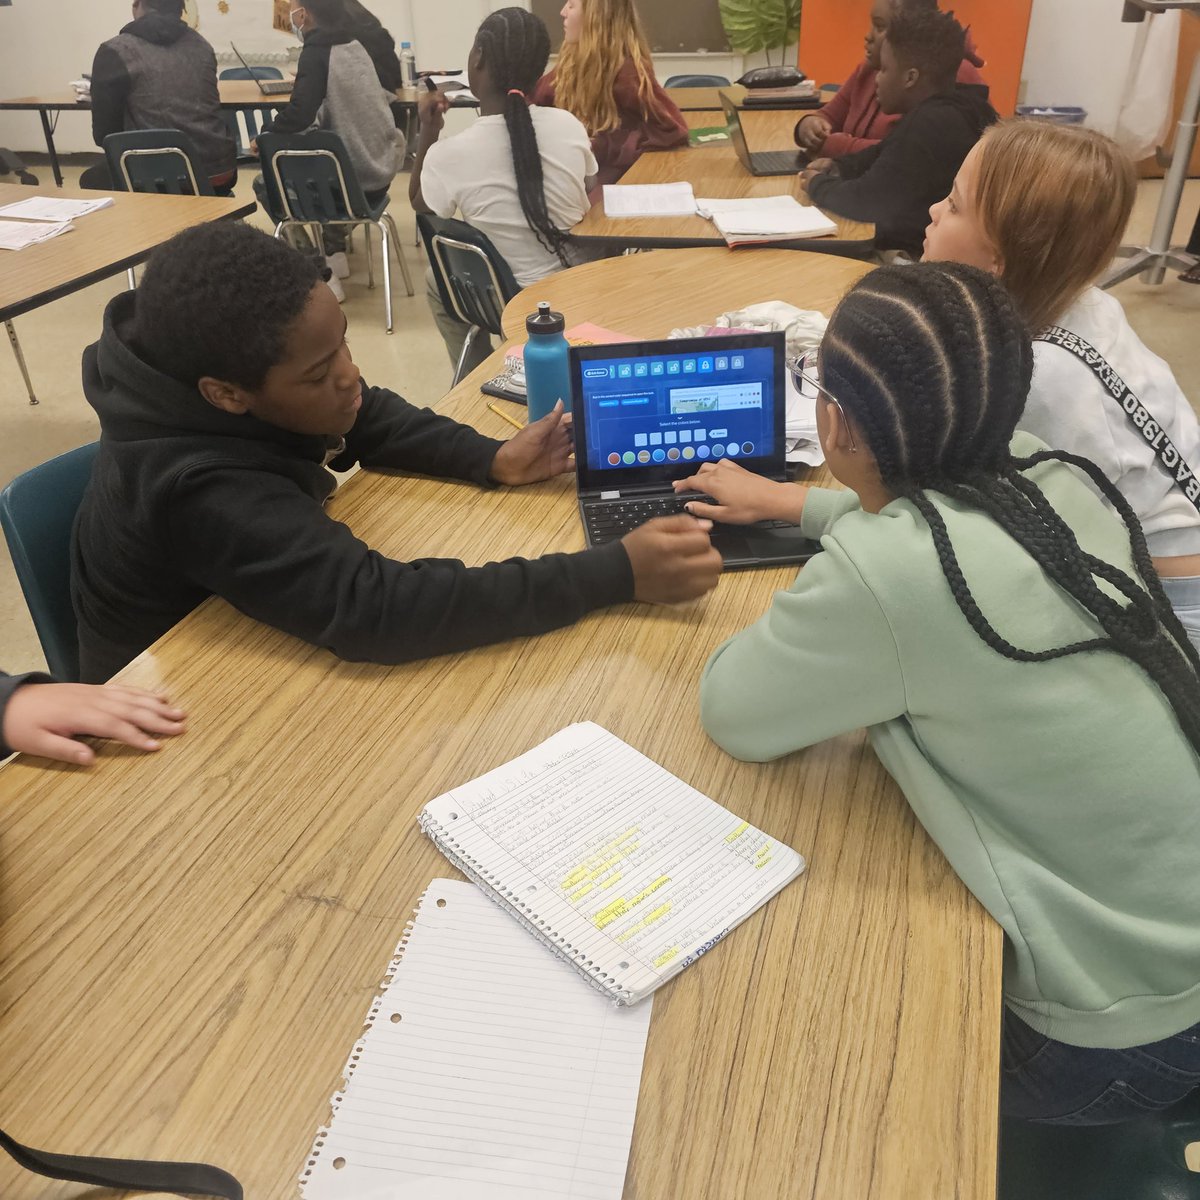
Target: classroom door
[832, 32]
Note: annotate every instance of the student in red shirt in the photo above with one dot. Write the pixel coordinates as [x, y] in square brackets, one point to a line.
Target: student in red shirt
[853, 120]
[606, 78]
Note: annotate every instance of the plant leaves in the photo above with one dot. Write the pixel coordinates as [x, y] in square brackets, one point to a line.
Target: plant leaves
[754, 25]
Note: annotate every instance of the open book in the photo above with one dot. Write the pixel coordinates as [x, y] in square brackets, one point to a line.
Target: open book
[618, 867]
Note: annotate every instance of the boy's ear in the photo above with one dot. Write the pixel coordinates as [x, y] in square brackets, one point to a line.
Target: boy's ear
[912, 77]
[228, 397]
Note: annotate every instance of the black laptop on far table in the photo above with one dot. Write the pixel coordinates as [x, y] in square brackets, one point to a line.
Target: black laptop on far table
[762, 162]
[647, 413]
[268, 87]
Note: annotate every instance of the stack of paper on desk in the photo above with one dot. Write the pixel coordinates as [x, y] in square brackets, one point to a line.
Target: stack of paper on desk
[53, 208]
[765, 219]
[649, 200]
[16, 235]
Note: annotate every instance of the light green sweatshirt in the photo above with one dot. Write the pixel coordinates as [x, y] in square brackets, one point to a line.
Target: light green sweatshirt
[1063, 793]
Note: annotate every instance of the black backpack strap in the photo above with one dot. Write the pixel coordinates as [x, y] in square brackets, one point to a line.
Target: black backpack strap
[190, 1179]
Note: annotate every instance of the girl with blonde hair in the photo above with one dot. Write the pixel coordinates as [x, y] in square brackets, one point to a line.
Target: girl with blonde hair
[606, 78]
[1044, 207]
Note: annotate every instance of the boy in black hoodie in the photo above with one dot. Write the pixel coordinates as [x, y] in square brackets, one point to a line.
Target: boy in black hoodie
[893, 184]
[159, 74]
[224, 388]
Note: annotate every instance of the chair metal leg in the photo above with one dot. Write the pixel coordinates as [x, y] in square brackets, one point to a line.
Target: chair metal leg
[131, 278]
[370, 258]
[387, 275]
[408, 283]
[16, 345]
[462, 354]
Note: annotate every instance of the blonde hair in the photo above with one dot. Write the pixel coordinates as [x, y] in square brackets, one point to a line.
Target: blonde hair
[587, 69]
[1053, 200]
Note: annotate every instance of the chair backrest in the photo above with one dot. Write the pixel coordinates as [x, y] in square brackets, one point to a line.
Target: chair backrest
[697, 81]
[37, 511]
[251, 73]
[472, 276]
[156, 160]
[309, 177]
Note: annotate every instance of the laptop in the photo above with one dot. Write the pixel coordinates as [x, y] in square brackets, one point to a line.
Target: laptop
[268, 87]
[647, 413]
[763, 162]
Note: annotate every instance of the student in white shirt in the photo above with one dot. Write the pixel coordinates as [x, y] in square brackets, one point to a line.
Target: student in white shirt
[1044, 207]
[518, 174]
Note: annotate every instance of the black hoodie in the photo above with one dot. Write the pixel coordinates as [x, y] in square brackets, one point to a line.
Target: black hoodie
[895, 183]
[187, 501]
[159, 74]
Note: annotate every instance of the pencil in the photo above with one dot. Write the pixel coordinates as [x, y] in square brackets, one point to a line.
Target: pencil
[504, 416]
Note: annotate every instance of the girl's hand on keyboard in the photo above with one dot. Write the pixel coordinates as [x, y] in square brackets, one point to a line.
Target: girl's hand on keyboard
[673, 560]
[742, 497]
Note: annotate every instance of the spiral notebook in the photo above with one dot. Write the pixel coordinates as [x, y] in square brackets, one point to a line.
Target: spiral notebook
[620, 868]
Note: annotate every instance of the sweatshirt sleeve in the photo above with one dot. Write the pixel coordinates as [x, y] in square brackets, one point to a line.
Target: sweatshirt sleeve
[839, 145]
[300, 571]
[110, 91]
[312, 82]
[887, 180]
[821, 662]
[8, 685]
[390, 432]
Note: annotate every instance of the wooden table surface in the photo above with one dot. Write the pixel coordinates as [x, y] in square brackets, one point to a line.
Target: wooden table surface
[698, 99]
[103, 243]
[189, 941]
[235, 93]
[713, 170]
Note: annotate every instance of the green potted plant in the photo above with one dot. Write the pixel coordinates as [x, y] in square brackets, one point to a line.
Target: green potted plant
[766, 25]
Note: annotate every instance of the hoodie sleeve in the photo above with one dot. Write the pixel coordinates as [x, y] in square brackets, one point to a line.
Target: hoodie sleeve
[110, 91]
[390, 432]
[312, 82]
[8, 685]
[295, 568]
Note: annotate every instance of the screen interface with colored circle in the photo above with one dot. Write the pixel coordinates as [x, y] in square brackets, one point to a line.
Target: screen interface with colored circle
[675, 409]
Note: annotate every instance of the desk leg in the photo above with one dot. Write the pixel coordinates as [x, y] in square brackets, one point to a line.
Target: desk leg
[48, 130]
[12, 337]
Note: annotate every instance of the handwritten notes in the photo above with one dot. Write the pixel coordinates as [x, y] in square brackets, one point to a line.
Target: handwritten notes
[488, 1072]
[611, 861]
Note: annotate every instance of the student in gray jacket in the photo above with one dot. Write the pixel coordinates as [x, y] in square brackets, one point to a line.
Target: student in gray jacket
[159, 74]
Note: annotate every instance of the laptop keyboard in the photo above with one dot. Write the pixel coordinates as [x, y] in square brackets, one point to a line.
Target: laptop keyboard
[777, 160]
[610, 520]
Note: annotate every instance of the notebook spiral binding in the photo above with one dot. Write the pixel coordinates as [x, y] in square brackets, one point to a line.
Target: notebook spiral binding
[336, 1100]
[516, 907]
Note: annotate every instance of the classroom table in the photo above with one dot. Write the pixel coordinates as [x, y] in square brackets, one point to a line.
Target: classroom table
[713, 170]
[698, 99]
[189, 941]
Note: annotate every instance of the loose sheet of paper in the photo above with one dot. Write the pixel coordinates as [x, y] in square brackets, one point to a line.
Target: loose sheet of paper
[52, 208]
[490, 1071]
[649, 200]
[16, 235]
[637, 872]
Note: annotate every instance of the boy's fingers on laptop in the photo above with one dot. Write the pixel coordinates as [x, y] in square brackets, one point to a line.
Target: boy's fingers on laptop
[672, 559]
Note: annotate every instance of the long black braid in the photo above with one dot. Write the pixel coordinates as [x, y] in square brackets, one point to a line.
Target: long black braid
[516, 48]
[934, 364]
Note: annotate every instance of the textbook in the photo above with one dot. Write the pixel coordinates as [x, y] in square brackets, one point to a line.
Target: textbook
[614, 864]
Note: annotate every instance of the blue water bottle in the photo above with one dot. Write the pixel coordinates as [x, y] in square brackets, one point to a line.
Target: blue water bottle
[547, 370]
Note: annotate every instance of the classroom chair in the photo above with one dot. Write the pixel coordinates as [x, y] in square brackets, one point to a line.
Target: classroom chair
[472, 277]
[246, 121]
[156, 160]
[1156, 1157]
[37, 510]
[309, 180]
[697, 81]
[10, 164]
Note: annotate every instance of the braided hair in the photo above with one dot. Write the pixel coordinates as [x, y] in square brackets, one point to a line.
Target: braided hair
[933, 363]
[515, 48]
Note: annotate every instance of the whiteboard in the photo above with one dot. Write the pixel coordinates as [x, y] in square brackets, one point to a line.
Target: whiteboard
[673, 26]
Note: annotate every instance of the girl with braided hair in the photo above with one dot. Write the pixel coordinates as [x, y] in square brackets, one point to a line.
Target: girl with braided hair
[518, 174]
[1008, 644]
[1044, 207]
[605, 76]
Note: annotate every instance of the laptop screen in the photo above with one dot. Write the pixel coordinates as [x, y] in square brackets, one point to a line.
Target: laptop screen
[649, 412]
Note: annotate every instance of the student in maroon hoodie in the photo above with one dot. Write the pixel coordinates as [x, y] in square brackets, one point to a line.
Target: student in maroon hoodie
[853, 120]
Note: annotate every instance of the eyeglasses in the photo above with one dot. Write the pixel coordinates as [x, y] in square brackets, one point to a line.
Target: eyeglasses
[801, 376]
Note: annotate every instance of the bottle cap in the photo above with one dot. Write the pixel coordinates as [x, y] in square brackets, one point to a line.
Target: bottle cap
[545, 321]
[406, 45]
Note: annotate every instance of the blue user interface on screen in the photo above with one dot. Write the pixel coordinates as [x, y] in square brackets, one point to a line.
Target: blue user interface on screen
[675, 409]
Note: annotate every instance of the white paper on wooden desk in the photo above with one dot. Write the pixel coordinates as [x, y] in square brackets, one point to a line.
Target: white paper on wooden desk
[16, 235]
[649, 200]
[53, 208]
[489, 1071]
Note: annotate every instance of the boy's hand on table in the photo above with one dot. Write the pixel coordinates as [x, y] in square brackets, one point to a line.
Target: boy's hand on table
[44, 719]
[540, 451]
[673, 560]
[741, 496]
[817, 167]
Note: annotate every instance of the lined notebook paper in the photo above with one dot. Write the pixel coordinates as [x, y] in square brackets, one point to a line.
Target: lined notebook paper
[649, 200]
[612, 862]
[488, 1072]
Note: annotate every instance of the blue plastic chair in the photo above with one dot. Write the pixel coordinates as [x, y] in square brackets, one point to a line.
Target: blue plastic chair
[309, 180]
[37, 511]
[697, 81]
[472, 276]
[156, 160]
[250, 125]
